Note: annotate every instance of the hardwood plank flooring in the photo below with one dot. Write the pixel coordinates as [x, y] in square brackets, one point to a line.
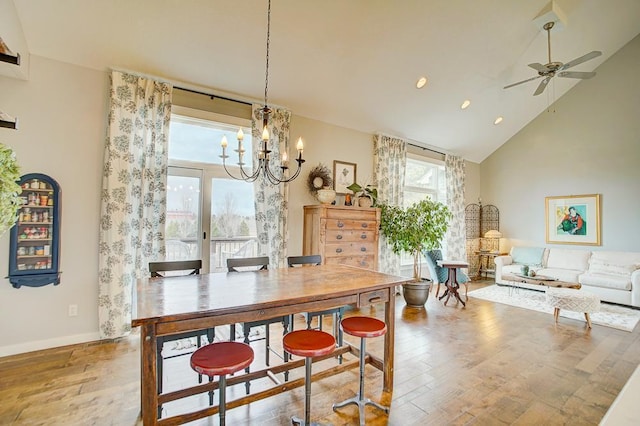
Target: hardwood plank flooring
[486, 364]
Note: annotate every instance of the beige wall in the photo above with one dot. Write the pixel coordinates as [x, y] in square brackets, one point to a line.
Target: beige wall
[61, 114]
[323, 144]
[589, 145]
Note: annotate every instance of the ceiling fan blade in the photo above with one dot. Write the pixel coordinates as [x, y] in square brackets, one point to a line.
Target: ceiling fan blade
[523, 81]
[542, 86]
[576, 74]
[538, 67]
[581, 59]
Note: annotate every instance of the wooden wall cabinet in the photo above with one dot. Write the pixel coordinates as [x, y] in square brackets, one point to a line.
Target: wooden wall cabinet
[342, 234]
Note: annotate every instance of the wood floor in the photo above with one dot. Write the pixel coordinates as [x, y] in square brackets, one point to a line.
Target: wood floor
[486, 364]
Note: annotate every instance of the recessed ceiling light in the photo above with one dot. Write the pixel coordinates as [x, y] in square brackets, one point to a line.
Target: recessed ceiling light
[465, 104]
[422, 81]
[498, 120]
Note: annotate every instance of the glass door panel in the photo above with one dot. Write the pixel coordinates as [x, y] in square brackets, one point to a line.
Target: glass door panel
[183, 229]
[233, 222]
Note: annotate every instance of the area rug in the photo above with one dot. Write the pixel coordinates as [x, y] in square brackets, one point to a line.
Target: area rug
[612, 316]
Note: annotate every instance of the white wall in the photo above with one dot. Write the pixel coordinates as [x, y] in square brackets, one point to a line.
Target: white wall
[61, 114]
[589, 145]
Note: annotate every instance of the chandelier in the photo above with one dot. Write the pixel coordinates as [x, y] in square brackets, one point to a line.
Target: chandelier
[264, 155]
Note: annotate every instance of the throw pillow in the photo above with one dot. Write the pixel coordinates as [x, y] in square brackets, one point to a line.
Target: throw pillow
[531, 256]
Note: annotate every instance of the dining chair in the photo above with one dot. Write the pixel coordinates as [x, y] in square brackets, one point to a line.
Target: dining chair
[168, 269]
[337, 313]
[260, 263]
[439, 275]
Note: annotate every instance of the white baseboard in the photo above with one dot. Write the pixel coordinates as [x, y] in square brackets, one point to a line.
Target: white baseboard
[47, 344]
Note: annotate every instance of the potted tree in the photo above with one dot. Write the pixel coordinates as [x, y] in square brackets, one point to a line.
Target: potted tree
[415, 229]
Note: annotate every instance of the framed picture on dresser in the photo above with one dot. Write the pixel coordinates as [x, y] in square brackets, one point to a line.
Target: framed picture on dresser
[344, 174]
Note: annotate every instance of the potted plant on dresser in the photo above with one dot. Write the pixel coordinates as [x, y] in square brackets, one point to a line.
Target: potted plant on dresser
[415, 229]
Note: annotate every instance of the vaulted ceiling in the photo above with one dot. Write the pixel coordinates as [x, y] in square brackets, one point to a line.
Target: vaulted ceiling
[353, 63]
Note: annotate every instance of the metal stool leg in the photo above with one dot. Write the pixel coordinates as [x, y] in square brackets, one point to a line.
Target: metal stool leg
[222, 407]
[359, 399]
[307, 397]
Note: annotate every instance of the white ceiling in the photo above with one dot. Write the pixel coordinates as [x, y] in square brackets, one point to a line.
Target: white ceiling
[353, 63]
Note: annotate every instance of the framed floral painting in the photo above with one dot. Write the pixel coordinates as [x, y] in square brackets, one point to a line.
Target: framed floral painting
[573, 219]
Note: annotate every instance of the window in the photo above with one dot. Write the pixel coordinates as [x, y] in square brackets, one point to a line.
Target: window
[198, 187]
[423, 178]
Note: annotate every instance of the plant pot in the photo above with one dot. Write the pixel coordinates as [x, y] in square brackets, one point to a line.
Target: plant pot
[416, 294]
[365, 202]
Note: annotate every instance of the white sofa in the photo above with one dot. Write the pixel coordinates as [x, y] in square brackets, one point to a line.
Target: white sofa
[613, 276]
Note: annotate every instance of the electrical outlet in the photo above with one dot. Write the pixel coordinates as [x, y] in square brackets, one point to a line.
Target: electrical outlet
[73, 310]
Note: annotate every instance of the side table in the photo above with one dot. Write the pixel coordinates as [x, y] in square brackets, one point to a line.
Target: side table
[485, 262]
[452, 279]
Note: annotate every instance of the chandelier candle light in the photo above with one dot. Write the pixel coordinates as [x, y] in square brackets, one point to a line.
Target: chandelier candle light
[264, 154]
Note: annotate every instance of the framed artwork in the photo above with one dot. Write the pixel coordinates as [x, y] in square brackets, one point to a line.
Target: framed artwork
[573, 219]
[344, 174]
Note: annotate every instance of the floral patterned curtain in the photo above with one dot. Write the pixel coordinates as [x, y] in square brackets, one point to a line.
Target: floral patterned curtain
[456, 234]
[133, 201]
[389, 163]
[271, 201]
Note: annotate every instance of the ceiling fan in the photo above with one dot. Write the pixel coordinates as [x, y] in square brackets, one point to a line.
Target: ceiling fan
[552, 69]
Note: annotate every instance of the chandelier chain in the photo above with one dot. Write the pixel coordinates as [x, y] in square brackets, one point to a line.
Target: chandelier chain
[266, 74]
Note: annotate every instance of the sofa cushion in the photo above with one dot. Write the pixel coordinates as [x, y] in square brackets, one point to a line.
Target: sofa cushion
[617, 282]
[531, 256]
[614, 263]
[568, 259]
[567, 275]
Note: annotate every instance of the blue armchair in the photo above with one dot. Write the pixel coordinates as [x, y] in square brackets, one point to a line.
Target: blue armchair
[439, 274]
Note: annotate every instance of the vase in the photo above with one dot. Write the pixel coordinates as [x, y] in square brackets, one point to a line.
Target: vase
[365, 202]
[416, 294]
[326, 196]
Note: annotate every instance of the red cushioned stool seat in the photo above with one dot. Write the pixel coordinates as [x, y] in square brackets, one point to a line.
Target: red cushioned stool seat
[362, 327]
[308, 343]
[220, 359]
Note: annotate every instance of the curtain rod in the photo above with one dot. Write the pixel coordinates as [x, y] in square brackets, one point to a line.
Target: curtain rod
[425, 148]
[211, 95]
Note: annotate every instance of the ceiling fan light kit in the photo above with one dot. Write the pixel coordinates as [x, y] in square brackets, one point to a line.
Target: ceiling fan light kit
[554, 68]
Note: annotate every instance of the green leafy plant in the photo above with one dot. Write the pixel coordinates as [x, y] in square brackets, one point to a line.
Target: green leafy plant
[415, 229]
[9, 188]
[366, 191]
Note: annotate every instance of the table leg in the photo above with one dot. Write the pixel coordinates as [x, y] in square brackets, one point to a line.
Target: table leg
[389, 319]
[453, 286]
[148, 375]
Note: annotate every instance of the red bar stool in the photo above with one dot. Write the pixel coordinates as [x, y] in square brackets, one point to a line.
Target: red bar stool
[362, 327]
[308, 343]
[220, 359]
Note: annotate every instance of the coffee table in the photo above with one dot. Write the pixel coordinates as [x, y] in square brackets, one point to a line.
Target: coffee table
[540, 280]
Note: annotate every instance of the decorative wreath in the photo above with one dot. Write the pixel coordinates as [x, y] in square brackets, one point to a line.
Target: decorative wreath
[9, 188]
[319, 177]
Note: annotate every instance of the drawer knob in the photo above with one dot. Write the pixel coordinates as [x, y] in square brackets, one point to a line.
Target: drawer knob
[340, 224]
[338, 250]
[363, 249]
[365, 225]
[339, 237]
[363, 263]
[363, 236]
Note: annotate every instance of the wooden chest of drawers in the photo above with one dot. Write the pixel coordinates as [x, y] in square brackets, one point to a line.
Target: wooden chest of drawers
[342, 234]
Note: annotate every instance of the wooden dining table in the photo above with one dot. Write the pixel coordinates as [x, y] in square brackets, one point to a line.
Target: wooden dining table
[172, 305]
